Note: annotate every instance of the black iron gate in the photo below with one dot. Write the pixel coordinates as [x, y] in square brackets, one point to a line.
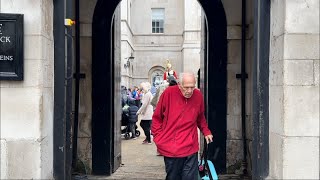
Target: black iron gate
[106, 107]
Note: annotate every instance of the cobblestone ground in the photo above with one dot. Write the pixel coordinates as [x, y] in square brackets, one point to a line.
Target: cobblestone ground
[140, 162]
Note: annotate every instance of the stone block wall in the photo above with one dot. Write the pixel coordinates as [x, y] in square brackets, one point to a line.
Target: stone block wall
[27, 106]
[294, 89]
[191, 36]
[234, 121]
[85, 106]
[127, 45]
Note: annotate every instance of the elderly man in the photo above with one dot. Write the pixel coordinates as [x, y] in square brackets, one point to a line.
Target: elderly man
[179, 112]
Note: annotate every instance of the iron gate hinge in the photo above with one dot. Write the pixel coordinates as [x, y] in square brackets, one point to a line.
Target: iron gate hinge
[79, 76]
[239, 76]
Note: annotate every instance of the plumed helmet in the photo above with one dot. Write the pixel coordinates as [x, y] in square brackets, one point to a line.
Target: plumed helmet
[168, 64]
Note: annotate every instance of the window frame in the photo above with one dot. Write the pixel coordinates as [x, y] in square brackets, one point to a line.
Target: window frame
[157, 23]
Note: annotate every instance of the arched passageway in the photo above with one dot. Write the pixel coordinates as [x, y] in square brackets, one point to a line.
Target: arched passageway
[104, 82]
[215, 81]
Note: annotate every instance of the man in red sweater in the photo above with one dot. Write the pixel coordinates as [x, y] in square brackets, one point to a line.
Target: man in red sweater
[178, 114]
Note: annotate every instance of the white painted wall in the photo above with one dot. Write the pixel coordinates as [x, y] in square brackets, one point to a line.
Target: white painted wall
[27, 106]
[294, 90]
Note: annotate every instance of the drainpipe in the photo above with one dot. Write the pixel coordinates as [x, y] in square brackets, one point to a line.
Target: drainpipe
[243, 76]
[77, 77]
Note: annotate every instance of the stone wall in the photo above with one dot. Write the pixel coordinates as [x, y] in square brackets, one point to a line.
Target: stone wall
[141, 16]
[27, 106]
[191, 36]
[85, 105]
[234, 122]
[127, 45]
[294, 89]
[152, 50]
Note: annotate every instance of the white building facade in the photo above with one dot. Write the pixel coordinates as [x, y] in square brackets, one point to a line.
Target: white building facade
[154, 31]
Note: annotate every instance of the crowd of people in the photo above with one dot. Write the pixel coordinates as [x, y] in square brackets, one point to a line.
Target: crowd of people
[142, 101]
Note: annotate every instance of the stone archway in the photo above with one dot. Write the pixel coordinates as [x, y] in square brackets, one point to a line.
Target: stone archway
[213, 74]
[104, 79]
[155, 75]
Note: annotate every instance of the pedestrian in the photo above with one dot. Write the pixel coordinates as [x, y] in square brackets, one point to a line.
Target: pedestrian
[132, 118]
[124, 97]
[138, 97]
[129, 95]
[179, 112]
[171, 81]
[146, 111]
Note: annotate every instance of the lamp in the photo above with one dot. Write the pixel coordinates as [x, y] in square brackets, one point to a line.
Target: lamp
[127, 64]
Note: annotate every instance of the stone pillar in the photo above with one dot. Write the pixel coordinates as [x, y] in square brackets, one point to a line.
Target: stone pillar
[191, 36]
[27, 106]
[127, 46]
[294, 90]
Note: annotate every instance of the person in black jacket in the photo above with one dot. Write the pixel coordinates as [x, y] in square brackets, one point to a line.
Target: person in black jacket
[132, 118]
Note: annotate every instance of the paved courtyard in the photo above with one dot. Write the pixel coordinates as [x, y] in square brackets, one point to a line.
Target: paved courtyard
[140, 162]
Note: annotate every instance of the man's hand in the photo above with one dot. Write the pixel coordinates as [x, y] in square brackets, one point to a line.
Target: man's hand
[209, 138]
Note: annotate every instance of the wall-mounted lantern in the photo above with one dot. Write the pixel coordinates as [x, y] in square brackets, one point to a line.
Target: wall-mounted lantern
[127, 64]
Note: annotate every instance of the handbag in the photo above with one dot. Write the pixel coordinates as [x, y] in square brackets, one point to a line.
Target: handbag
[206, 167]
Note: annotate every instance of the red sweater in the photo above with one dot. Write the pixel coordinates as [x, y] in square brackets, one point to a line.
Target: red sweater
[175, 122]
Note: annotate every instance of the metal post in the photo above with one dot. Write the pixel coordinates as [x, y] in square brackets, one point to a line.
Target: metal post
[260, 142]
[243, 76]
[59, 126]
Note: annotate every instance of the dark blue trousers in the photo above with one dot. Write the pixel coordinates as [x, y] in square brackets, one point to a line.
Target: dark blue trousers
[185, 168]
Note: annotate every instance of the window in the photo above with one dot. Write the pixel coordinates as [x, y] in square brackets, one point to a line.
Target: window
[157, 20]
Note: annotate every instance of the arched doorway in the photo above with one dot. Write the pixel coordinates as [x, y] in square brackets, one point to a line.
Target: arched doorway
[156, 75]
[216, 81]
[105, 156]
[105, 79]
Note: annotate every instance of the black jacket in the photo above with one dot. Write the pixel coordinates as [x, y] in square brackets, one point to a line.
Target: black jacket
[133, 117]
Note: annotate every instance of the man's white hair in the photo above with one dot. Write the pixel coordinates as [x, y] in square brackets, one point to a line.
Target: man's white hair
[187, 73]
